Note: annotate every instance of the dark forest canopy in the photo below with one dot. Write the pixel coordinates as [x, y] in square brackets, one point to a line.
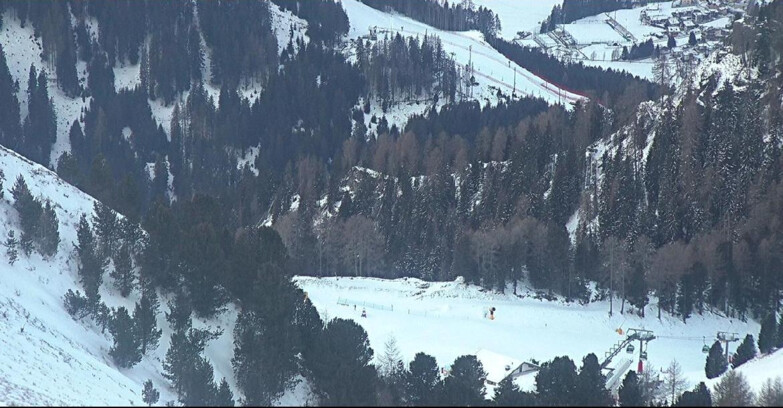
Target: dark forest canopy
[457, 16]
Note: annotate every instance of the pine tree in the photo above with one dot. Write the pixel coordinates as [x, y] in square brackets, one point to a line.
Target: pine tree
[507, 394]
[340, 365]
[465, 383]
[422, 381]
[224, 397]
[699, 397]
[745, 352]
[145, 321]
[90, 266]
[76, 305]
[10, 244]
[125, 351]
[179, 312]
[200, 388]
[591, 383]
[150, 395]
[48, 231]
[29, 210]
[767, 334]
[189, 372]
[106, 229]
[716, 362]
[630, 394]
[556, 382]
[123, 271]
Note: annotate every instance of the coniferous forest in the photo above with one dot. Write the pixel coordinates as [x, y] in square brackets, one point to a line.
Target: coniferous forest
[483, 192]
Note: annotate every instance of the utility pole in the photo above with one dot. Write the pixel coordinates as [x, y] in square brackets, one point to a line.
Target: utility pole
[611, 278]
[514, 92]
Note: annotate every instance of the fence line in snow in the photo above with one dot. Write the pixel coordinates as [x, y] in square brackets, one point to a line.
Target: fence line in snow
[390, 308]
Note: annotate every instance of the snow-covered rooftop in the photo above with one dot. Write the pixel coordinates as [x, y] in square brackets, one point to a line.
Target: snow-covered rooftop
[496, 365]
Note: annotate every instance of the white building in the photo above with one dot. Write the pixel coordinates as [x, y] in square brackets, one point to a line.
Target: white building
[498, 366]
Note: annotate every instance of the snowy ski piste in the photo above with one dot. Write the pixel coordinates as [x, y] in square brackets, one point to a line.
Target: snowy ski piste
[446, 320]
[492, 70]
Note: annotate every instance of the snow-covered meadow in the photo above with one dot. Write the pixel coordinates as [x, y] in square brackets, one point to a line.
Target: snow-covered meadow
[446, 320]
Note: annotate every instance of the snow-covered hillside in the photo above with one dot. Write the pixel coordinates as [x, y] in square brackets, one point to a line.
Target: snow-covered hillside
[47, 358]
[23, 49]
[493, 71]
[759, 370]
[446, 320]
[519, 15]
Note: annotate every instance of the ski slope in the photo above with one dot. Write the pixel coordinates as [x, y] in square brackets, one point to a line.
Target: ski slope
[47, 358]
[758, 370]
[446, 320]
[519, 15]
[493, 71]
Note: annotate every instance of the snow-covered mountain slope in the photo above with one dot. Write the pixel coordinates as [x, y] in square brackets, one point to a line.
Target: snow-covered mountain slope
[519, 15]
[758, 370]
[47, 358]
[446, 320]
[23, 49]
[493, 71]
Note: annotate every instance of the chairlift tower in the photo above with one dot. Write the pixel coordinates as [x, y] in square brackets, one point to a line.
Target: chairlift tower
[726, 338]
[641, 335]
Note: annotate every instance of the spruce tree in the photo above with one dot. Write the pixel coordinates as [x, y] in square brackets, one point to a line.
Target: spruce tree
[125, 351]
[106, 229]
[224, 397]
[90, 266]
[150, 395]
[768, 334]
[745, 352]
[716, 362]
[48, 231]
[145, 322]
[591, 383]
[10, 129]
[29, 210]
[123, 271]
[630, 393]
[10, 244]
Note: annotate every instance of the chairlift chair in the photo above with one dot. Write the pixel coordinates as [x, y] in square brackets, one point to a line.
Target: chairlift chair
[630, 349]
